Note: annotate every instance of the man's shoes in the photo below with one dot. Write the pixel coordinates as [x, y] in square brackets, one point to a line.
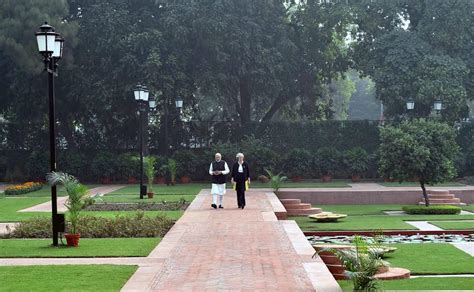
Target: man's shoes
[214, 206]
[243, 207]
[220, 207]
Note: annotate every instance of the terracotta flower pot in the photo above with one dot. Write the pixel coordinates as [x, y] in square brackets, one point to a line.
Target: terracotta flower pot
[296, 178]
[72, 239]
[326, 178]
[355, 178]
[160, 180]
[150, 195]
[185, 179]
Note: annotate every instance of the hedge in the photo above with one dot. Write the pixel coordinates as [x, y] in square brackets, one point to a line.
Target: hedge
[432, 210]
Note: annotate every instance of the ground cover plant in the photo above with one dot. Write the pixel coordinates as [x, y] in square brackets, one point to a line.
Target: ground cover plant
[24, 188]
[89, 247]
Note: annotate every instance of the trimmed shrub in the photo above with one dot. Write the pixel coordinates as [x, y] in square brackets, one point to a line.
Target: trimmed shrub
[137, 225]
[298, 162]
[432, 210]
[356, 161]
[329, 161]
[22, 189]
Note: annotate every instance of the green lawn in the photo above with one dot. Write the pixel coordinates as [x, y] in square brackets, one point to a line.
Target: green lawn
[65, 278]
[416, 184]
[431, 258]
[10, 206]
[428, 258]
[421, 284]
[88, 247]
[454, 225]
[179, 189]
[368, 217]
[469, 208]
[136, 199]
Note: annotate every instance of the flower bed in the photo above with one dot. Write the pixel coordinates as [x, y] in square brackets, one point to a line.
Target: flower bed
[27, 187]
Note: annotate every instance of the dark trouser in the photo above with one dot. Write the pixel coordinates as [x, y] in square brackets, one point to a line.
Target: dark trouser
[240, 188]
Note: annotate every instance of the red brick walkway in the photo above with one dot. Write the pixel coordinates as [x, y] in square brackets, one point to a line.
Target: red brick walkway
[232, 249]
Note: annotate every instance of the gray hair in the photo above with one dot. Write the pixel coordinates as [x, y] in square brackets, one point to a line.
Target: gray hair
[239, 155]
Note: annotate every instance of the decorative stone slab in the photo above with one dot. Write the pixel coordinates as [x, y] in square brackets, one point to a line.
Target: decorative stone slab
[394, 274]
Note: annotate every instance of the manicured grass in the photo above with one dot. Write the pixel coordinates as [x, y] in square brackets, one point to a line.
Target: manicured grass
[431, 258]
[136, 198]
[306, 184]
[10, 206]
[454, 225]
[360, 209]
[469, 208]
[88, 247]
[65, 278]
[421, 284]
[416, 184]
[368, 217]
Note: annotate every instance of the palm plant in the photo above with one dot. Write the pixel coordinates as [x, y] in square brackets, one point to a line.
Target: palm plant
[150, 171]
[76, 192]
[171, 167]
[276, 180]
[361, 263]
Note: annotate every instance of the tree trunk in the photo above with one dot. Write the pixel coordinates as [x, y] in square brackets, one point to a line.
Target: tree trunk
[245, 101]
[425, 195]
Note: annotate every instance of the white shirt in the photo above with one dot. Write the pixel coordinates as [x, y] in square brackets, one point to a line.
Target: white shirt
[225, 171]
[241, 169]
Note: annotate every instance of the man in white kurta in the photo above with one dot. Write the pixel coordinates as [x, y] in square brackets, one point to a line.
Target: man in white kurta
[218, 171]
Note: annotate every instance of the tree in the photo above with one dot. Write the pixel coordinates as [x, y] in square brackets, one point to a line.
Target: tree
[417, 49]
[420, 149]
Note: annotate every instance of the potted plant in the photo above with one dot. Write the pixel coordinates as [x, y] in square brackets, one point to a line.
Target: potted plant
[74, 204]
[171, 167]
[150, 174]
[276, 180]
[186, 161]
[328, 161]
[356, 161]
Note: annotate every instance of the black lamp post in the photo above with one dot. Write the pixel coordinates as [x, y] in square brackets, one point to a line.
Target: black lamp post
[50, 46]
[141, 96]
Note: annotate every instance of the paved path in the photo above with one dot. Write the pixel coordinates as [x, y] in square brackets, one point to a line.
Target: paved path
[467, 247]
[3, 227]
[229, 249]
[46, 207]
[423, 225]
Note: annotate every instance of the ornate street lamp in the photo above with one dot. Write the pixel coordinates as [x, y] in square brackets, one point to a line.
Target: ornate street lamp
[410, 104]
[141, 94]
[438, 105]
[50, 46]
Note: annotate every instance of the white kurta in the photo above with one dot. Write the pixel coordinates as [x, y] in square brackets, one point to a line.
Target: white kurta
[219, 189]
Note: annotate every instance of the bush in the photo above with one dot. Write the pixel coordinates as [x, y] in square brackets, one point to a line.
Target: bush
[328, 161]
[186, 163]
[298, 162]
[104, 165]
[127, 166]
[22, 189]
[137, 225]
[432, 210]
[356, 161]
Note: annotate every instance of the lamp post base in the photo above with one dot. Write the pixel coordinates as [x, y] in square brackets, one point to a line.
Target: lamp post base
[143, 190]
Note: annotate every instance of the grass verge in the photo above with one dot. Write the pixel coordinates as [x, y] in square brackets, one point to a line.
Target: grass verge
[88, 247]
[65, 278]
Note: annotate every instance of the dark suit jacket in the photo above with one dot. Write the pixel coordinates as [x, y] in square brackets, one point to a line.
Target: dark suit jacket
[235, 170]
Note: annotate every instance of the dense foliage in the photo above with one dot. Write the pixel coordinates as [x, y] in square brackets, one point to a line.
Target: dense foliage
[418, 149]
[431, 210]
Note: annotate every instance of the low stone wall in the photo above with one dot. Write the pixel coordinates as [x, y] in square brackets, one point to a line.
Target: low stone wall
[365, 197]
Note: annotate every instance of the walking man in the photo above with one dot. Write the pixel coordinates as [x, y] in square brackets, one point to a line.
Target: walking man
[218, 171]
